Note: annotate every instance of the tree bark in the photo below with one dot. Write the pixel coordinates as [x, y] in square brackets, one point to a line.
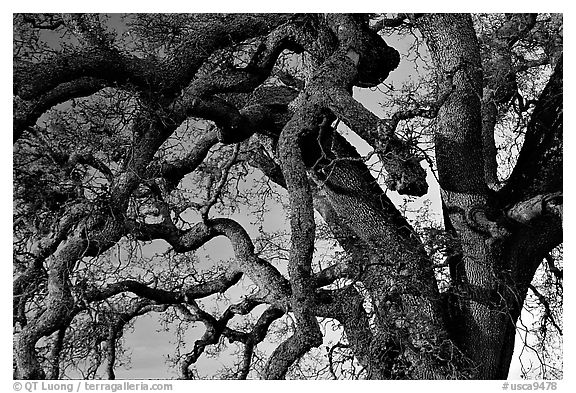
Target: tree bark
[411, 330]
[490, 281]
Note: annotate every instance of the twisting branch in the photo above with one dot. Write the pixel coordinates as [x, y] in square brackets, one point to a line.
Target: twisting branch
[163, 296]
[311, 114]
[175, 171]
[194, 313]
[116, 328]
[31, 80]
[302, 226]
[216, 328]
[271, 283]
[253, 338]
[243, 80]
[220, 187]
[209, 34]
[59, 309]
[27, 112]
[331, 357]
[55, 353]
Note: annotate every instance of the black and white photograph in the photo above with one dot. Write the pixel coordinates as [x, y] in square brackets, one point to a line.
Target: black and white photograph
[287, 196]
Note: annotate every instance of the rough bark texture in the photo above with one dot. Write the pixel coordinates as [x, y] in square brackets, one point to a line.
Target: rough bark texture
[492, 293]
[226, 70]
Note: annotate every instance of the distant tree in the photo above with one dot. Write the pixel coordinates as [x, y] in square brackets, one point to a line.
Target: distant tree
[137, 137]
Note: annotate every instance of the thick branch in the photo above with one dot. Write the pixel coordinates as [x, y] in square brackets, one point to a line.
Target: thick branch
[539, 166]
[32, 80]
[55, 351]
[262, 273]
[26, 113]
[59, 310]
[481, 331]
[456, 55]
[347, 307]
[534, 208]
[175, 171]
[302, 227]
[162, 296]
[210, 33]
[215, 328]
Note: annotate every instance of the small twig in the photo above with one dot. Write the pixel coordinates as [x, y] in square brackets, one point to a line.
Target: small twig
[553, 268]
[547, 311]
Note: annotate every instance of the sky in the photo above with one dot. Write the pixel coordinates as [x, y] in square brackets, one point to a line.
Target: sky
[145, 357]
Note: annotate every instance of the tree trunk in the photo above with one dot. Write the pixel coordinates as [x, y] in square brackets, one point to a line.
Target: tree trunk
[492, 271]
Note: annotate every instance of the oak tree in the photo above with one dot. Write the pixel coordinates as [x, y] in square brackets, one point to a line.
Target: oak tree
[141, 132]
